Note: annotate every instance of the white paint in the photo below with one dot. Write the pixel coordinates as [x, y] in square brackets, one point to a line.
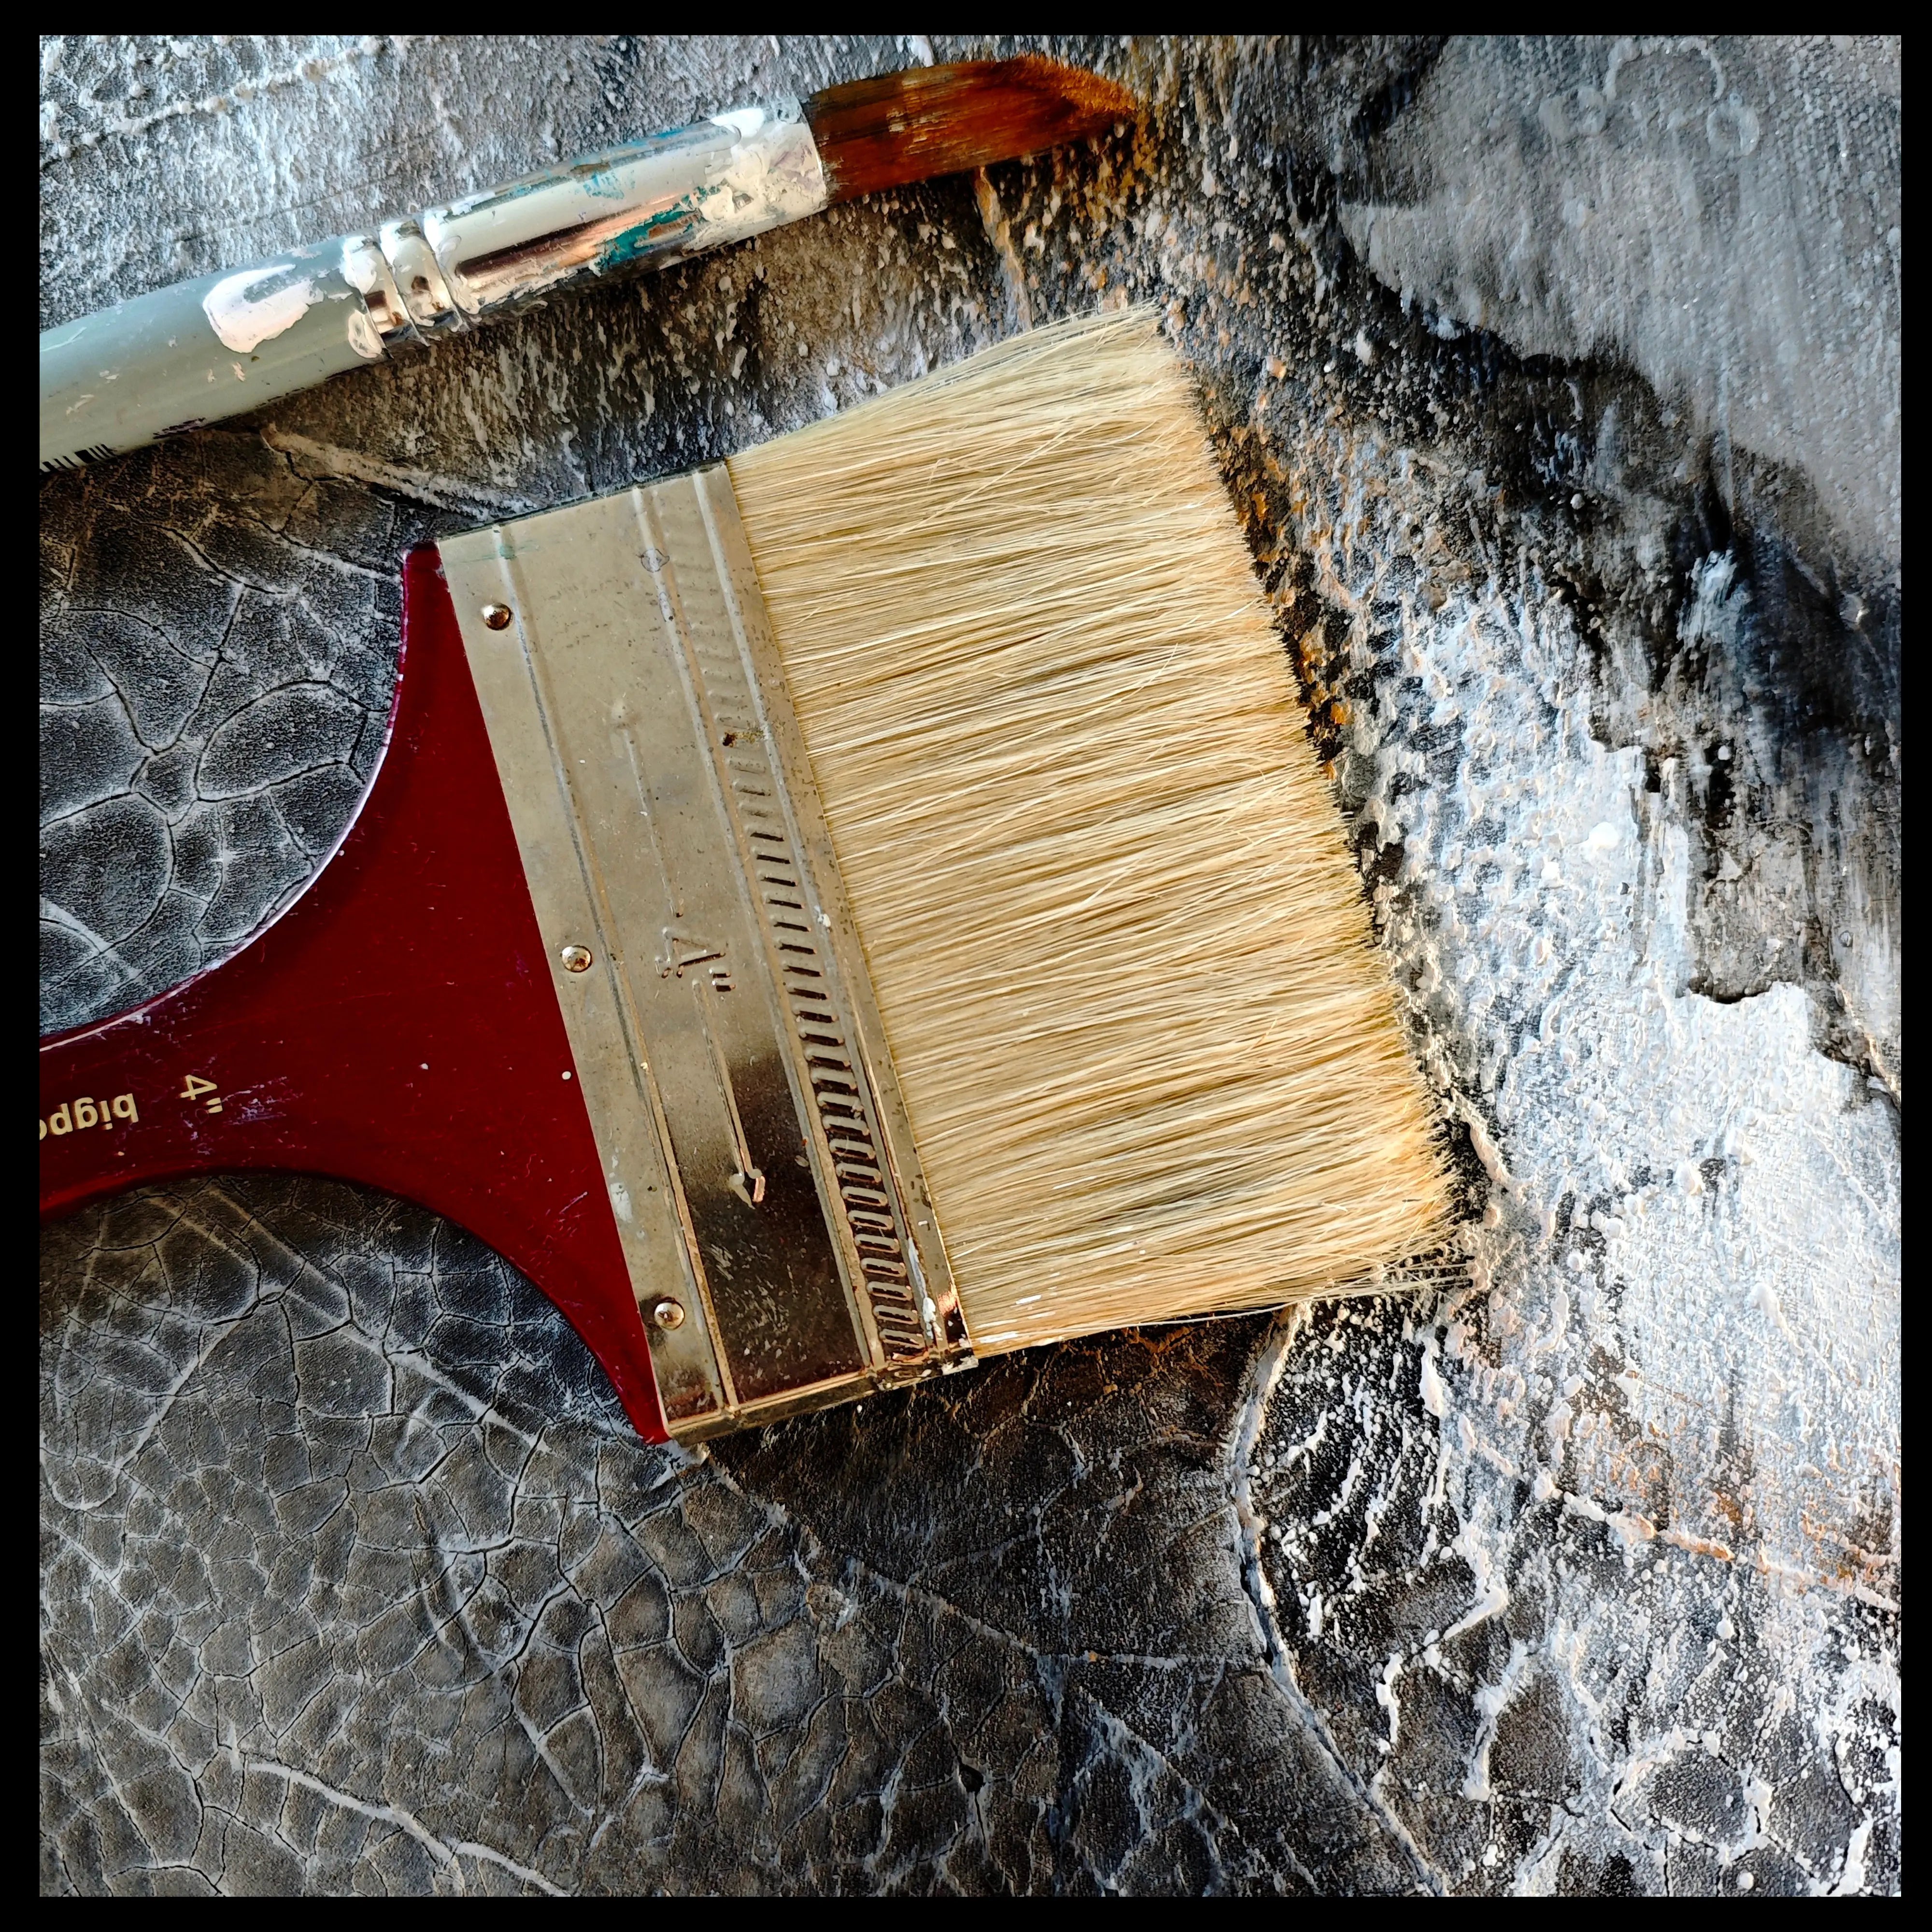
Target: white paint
[772, 176]
[1493, 1602]
[247, 310]
[363, 336]
[1491, 1700]
[1560, 196]
[1432, 1399]
[1612, 1084]
[1852, 1879]
[304, 74]
[1385, 1696]
[308, 457]
[1688, 1277]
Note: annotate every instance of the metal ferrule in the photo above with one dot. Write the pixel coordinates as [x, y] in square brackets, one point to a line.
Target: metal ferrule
[759, 1161]
[366, 269]
[645, 205]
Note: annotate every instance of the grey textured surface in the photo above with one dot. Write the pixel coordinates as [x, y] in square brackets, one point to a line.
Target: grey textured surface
[1574, 1572]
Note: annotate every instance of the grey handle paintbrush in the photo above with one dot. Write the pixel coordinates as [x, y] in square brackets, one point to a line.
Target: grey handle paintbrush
[192, 354]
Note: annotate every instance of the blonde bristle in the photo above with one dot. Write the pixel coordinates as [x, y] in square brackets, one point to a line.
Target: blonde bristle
[1150, 1056]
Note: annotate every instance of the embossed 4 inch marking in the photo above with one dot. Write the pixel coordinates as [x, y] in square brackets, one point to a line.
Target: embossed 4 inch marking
[197, 1086]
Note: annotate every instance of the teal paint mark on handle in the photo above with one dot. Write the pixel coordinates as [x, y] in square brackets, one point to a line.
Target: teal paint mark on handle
[650, 237]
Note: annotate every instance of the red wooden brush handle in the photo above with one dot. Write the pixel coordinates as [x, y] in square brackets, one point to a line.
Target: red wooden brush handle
[396, 1025]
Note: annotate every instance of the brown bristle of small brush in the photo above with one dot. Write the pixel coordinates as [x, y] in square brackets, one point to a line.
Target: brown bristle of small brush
[903, 127]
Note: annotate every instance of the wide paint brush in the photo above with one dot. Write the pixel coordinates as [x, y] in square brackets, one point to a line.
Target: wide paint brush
[198, 351]
[832, 915]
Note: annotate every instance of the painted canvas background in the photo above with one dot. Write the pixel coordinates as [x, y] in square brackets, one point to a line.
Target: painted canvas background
[1558, 383]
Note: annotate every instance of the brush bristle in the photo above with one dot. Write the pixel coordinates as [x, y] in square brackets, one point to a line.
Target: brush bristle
[1151, 1058]
[904, 127]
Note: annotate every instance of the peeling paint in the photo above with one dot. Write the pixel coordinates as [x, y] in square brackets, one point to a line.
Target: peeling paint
[249, 309]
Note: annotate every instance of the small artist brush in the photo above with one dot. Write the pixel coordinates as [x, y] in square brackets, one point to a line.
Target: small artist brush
[862, 907]
[194, 353]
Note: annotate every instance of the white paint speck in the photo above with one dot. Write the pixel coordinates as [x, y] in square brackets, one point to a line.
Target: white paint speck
[1432, 1385]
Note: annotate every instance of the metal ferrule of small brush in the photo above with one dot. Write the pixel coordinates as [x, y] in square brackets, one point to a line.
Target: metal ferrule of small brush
[645, 205]
[174, 360]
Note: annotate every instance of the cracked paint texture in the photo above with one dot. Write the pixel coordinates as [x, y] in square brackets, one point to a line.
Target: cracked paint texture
[1557, 384]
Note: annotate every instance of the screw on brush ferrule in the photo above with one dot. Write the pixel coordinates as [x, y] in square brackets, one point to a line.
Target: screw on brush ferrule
[426, 295]
[366, 269]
